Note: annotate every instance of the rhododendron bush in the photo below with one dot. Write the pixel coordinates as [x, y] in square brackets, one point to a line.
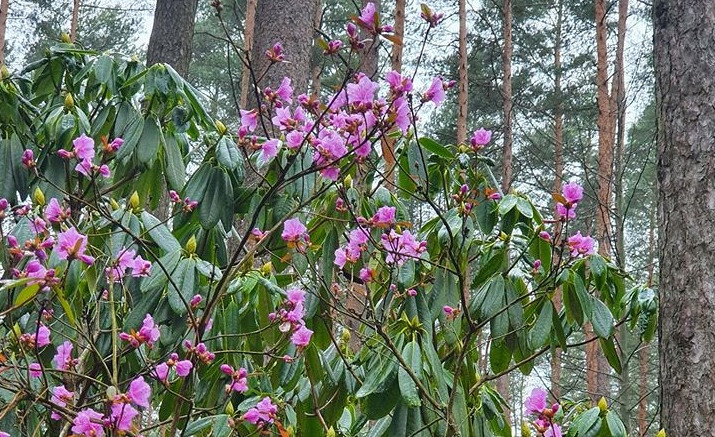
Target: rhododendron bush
[165, 275]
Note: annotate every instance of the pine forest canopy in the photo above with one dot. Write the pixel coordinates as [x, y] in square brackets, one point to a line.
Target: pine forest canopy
[354, 218]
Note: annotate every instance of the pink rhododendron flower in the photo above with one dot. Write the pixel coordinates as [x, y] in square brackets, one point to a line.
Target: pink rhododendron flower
[63, 358]
[60, 397]
[139, 392]
[399, 84]
[362, 92]
[368, 17]
[249, 119]
[83, 148]
[122, 415]
[573, 192]
[569, 213]
[269, 149]
[285, 91]
[183, 368]
[433, 18]
[545, 235]
[264, 412]
[435, 93]
[366, 275]
[480, 138]
[72, 245]
[54, 212]
[301, 337]
[239, 381]
[28, 159]
[536, 402]
[140, 267]
[580, 245]
[296, 295]
[295, 234]
[35, 370]
[295, 139]
[402, 247]
[275, 53]
[88, 423]
[412, 292]
[149, 333]
[384, 217]
[553, 431]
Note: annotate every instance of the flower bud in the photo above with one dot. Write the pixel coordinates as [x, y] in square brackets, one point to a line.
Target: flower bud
[4, 72]
[113, 203]
[525, 430]
[191, 245]
[331, 432]
[134, 200]
[38, 196]
[69, 101]
[267, 268]
[661, 433]
[348, 181]
[111, 392]
[602, 404]
[345, 336]
[220, 127]
[65, 38]
[229, 408]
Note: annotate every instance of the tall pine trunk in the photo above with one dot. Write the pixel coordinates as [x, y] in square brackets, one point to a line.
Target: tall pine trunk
[643, 356]
[558, 177]
[172, 34]
[316, 70]
[462, 95]
[618, 99]
[507, 104]
[291, 24]
[369, 56]
[248, 30]
[74, 23]
[396, 54]
[4, 5]
[684, 46]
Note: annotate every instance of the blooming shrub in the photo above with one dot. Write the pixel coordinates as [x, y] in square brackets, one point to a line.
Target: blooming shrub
[124, 310]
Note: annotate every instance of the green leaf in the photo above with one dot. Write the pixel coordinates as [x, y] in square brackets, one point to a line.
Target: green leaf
[157, 280]
[585, 422]
[542, 327]
[103, 69]
[507, 204]
[149, 141]
[408, 388]
[609, 350]
[212, 206]
[160, 233]
[376, 378]
[601, 319]
[184, 278]
[26, 295]
[227, 154]
[499, 356]
[524, 207]
[615, 425]
[175, 171]
[436, 148]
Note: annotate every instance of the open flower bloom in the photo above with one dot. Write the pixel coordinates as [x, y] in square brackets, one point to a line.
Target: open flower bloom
[480, 138]
[295, 234]
[149, 333]
[580, 245]
[301, 337]
[264, 412]
[435, 93]
[536, 402]
[88, 423]
[573, 192]
[72, 245]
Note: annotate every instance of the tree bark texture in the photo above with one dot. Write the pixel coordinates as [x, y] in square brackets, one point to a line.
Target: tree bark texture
[369, 57]
[291, 24]
[248, 29]
[74, 23]
[172, 34]
[643, 356]
[462, 95]
[4, 5]
[396, 55]
[507, 105]
[684, 55]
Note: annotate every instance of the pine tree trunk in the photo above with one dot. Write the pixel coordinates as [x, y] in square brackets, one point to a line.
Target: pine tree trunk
[684, 47]
[291, 24]
[618, 101]
[462, 95]
[396, 55]
[643, 355]
[369, 56]
[172, 34]
[558, 179]
[315, 82]
[4, 5]
[75, 21]
[507, 99]
[248, 30]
